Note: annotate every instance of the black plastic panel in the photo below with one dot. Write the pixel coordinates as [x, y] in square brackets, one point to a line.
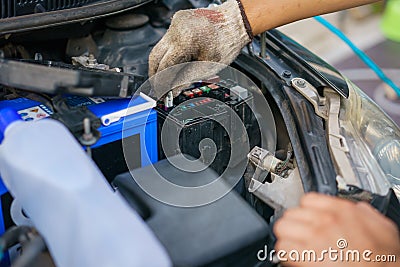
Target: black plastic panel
[307, 63]
[305, 128]
[313, 136]
[14, 8]
[110, 157]
[227, 232]
[21, 16]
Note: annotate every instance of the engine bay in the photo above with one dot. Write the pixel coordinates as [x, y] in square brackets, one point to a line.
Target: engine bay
[105, 124]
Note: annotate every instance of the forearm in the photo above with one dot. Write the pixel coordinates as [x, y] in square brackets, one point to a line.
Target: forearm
[267, 14]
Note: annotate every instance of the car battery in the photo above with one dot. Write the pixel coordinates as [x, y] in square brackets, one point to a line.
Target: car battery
[133, 116]
[205, 111]
[132, 119]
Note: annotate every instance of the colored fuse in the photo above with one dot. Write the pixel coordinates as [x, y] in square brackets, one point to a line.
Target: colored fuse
[197, 92]
[205, 89]
[213, 86]
[188, 94]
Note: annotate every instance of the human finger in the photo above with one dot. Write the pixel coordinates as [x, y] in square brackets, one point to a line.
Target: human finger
[157, 54]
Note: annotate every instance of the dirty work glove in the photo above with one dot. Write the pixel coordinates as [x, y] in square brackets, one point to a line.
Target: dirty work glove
[207, 34]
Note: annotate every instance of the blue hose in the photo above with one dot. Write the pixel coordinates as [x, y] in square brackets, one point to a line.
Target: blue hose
[364, 57]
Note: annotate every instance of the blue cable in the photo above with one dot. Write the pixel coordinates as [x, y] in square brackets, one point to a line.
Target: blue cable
[364, 57]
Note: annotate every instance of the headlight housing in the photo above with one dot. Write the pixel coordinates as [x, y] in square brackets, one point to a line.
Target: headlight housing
[374, 142]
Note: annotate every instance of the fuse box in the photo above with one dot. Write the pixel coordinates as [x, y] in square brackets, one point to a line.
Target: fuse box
[204, 111]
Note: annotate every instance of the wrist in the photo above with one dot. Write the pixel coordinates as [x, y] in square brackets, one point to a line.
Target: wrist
[235, 23]
[263, 15]
[245, 19]
[251, 13]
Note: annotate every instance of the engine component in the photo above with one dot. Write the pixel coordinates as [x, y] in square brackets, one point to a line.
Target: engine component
[264, 159]
[34, 250]
[90, 62]
[128, 121]
[111, 120]
[73, 119]
[226, 232]
[127, 22]
[203, 112]
[56, 77]
[125, 48]
[267, 162]
[81, 46]
[14, 235]
[168, 101]
[281, 192]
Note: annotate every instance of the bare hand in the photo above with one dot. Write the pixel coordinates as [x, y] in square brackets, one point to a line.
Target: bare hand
[323, 222]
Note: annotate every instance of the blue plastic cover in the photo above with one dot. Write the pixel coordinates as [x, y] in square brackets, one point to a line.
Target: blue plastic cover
[7, 117]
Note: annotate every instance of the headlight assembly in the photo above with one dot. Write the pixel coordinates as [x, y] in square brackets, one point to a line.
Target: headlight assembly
[374, 142]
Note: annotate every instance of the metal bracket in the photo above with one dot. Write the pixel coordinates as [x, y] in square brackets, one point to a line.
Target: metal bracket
[282, 193]
[311, 94]
[328, 108]
[89, 62]
[263, 159]
[337, 143]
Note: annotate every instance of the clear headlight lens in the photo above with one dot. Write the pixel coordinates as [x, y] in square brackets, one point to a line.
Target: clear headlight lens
[374, 142]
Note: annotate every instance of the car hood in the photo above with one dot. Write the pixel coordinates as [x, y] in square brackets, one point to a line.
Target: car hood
[19, 16]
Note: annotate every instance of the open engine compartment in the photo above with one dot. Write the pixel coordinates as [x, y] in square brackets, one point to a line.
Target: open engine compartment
[123, 43]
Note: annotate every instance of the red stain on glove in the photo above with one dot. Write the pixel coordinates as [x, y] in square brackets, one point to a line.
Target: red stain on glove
[212, 15]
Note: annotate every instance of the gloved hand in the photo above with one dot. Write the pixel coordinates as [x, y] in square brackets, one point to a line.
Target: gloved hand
[208, 34]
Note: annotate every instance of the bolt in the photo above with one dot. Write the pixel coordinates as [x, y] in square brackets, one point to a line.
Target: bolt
[38, 57]
[87, 132]
[263, 45]
[87, 139]
[287, 74]
[92, 60]
[301, 83]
